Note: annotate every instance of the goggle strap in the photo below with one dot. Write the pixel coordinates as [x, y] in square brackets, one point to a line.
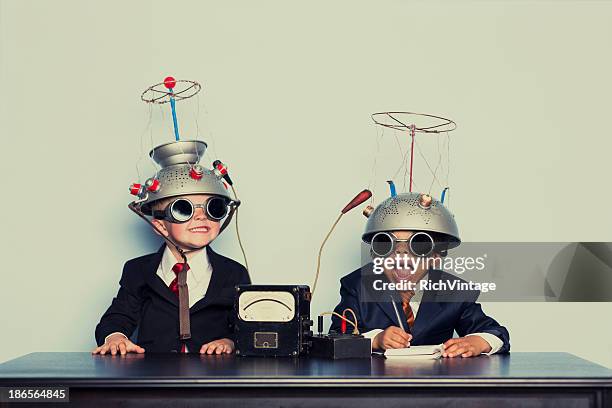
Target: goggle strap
[233, 208]
[158, 215]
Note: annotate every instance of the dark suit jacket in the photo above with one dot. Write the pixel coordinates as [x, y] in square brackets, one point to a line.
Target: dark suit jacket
[145, 302]
[439, 314]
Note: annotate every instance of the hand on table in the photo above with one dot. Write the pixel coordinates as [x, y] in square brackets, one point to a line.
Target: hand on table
[468, 346]
[118, 343]
[221, 346]
[391, 338]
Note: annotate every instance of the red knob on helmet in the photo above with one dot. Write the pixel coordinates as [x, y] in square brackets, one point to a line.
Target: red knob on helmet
[196, 172]
[153, 185]
[135, 189]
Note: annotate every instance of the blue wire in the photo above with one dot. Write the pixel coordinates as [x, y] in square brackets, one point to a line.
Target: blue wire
[443, 195]
[392, 187]
[174, 120]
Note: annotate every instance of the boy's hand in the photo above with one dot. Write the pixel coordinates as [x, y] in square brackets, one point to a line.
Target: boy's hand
[393, 337]
[218, 347]
[468, 346]
[118, 342]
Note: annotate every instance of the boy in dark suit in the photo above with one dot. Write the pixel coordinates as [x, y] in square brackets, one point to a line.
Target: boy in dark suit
[181, 297]
[406, 228]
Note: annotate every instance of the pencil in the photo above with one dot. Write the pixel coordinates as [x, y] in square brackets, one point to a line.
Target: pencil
[399, 319]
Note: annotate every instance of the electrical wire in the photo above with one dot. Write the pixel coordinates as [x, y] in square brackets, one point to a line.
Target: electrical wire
[403, 165]
[246, 262]
[354, 324]
[314, 285]
[348, 309]
[373, 173]
[438, 165]
[412, 136]
[428, 166]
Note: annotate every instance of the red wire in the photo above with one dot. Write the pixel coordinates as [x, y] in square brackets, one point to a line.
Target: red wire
[411, 155]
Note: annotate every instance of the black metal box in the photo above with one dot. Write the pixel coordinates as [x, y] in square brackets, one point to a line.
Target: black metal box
[272, 320]
[338, 346]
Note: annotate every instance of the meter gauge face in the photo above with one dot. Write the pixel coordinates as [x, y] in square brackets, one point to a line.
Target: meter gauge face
[266, 306]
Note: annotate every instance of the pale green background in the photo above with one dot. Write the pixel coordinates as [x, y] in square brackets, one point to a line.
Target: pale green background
[289, 87]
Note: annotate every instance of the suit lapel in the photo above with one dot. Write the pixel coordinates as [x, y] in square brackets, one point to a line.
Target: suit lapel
[428, 310]
[387, 307]
[155, 282]
[217, 279]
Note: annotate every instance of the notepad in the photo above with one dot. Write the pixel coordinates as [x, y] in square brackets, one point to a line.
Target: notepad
[416, 352]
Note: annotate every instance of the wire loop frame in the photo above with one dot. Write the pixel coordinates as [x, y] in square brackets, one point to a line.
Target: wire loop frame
[398, 121]
[159, 94]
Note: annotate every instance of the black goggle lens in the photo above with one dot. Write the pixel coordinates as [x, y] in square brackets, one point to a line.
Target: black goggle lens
[181, 210]
[421, 244]
[382, 244]
[216, 208]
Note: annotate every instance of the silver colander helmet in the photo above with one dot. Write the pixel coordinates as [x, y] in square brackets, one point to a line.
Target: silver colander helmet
[180, 174]
[412, 212]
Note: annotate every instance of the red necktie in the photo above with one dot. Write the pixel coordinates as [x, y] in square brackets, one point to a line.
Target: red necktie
[177, 268]
[408, 312]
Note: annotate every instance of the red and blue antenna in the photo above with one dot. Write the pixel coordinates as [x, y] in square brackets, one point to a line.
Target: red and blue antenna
[170, 83]
[171, 90]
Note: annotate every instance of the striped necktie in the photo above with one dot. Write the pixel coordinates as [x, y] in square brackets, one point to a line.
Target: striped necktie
[408, 313]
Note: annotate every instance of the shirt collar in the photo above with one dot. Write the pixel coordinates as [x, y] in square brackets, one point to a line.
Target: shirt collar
[198, 262]
[418, 293]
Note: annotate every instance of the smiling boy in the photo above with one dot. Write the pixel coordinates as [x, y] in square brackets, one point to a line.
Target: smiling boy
[188, 204]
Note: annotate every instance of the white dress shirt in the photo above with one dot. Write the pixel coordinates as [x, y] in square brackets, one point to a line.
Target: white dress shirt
[198, 276]
[415, 301]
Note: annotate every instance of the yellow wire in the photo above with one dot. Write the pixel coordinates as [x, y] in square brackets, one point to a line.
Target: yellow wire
[238, 234]
[355, 330]
[314, 285]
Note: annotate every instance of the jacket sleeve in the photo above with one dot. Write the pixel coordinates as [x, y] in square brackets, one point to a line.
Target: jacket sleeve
[474, 320]
[123, 314]
[349, 299]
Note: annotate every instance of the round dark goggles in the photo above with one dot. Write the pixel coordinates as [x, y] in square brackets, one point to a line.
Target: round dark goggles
[420, 244]
[182, 210]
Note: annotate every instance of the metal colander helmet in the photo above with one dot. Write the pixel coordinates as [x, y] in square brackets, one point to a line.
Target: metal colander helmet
[412, 212]
[180, 174]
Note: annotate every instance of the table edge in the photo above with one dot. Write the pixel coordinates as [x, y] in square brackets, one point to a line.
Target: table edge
[319, 382]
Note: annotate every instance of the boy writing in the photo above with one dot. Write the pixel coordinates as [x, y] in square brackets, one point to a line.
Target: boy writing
[412, 229]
